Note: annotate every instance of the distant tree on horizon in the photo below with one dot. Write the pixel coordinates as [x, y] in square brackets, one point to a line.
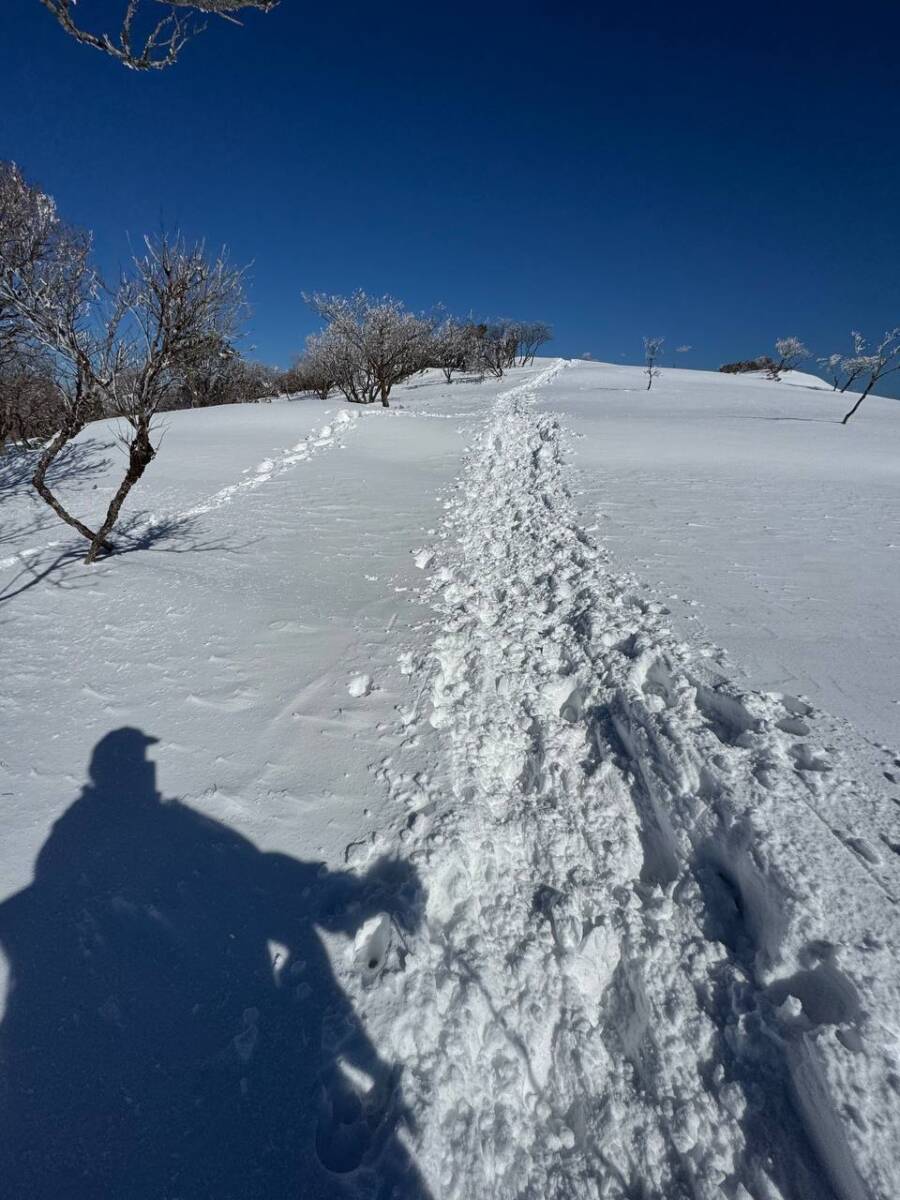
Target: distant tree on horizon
[652, 350]
[791, 352]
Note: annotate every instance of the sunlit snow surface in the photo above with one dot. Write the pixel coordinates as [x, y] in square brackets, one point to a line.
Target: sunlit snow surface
[563, 712]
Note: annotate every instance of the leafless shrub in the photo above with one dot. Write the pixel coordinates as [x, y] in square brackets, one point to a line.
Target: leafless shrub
[531, 336]
[748, 365]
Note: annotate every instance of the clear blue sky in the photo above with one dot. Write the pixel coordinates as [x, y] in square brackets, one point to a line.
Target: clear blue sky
[719, 174]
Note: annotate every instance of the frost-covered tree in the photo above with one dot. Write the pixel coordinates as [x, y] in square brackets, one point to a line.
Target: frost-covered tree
[30, 233]
[121, 351]
[217, 373]
[340, 363]
[453, 347]
[47, 291]
[531, 336]
[874, 367]
[311, 371]
[146, 42]
[174, 302]
[652, 350]
[857, 362]
[371, 344]
[832, 365]
[790, 353]
[29, 403]
[497, 346]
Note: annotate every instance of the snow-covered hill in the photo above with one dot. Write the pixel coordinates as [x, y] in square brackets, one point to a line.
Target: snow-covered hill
[464, 863]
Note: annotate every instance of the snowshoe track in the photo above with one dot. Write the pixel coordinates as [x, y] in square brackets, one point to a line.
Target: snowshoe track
[627, 985]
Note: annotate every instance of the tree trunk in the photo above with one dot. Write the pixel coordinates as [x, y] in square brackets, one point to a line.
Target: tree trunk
[140, 455]
[856, 405]
[38, 480]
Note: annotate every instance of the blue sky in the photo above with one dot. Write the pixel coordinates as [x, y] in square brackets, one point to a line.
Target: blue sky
[717, 177]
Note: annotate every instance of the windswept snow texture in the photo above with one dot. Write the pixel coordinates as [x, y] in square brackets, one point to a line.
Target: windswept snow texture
[464, 864]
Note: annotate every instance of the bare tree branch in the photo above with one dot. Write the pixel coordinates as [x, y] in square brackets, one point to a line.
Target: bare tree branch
[161, 43]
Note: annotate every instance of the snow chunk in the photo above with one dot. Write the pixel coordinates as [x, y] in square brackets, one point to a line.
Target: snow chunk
[360, 685]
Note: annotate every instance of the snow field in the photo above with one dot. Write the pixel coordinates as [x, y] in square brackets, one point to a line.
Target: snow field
[763, 524]
[303, 451]
[659, 954]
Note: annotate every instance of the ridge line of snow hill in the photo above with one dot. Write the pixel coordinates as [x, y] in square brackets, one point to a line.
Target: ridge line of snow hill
[303, 451]
[654, 963]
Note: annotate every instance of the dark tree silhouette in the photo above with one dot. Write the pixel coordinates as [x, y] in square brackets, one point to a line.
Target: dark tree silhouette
[152, 1048]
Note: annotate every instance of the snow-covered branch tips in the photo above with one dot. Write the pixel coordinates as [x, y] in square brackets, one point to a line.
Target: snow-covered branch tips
[146, 42]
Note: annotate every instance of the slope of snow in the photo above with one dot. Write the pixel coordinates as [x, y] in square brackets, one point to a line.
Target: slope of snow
[659, 954]
[757, 518]
[464, 863]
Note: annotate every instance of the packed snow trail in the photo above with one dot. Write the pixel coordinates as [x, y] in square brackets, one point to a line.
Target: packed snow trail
[273, 465]
[659, 951]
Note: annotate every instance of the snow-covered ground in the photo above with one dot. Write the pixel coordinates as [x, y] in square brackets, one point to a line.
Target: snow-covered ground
[465, 863]
[757, 517]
